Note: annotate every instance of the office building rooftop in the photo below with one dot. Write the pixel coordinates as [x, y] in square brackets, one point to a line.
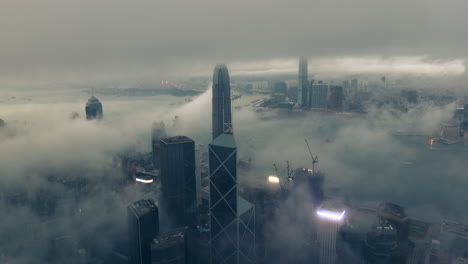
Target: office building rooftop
[169, 239]
[176, 139]
[224, 140]
[142, 207]
[331, 210]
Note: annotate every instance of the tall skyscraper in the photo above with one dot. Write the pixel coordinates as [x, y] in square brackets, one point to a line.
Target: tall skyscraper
[302, 83]
[232, 218]
[178, 179]
[158, 131]
[222, 121]
[330, 216]
[93, 109]
[319, 96]
[223, 199]
[143, 227]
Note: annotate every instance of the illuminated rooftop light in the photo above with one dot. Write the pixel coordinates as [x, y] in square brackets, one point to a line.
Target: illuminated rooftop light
[273, 179]
[334, 216]
[144, 181]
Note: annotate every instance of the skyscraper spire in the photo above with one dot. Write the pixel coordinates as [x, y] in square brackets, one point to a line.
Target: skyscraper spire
[232, 230]
[222, 120]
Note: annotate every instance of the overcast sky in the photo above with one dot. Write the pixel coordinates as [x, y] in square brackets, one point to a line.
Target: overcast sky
[57, 41]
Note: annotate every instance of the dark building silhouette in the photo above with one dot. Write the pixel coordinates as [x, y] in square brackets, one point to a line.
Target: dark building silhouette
[93, 109]
[221, 112]
[246, 212]
[292, 92]
[158, 131]
[280, 87]
[178, 179]
[302, 84]
[170, 248]
[198, 244]
[335, 98]
[223, 199]
[318, 96]
[312, 181]
[232, 218]
[310, 94]
[143, 227]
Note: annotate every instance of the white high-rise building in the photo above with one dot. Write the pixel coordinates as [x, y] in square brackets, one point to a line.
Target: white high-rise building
[330, 218]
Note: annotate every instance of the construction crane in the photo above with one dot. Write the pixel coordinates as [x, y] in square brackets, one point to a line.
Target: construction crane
[289, 171]
[289, 176]
[314, 156]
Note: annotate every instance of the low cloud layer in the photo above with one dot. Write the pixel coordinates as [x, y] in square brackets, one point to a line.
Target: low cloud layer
[410, 65]
[363, 160]
[58, 43]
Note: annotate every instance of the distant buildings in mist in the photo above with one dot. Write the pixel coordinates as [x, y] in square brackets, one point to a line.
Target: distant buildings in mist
[172, 225]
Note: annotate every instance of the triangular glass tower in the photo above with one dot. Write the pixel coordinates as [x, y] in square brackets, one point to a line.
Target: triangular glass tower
[232, 219]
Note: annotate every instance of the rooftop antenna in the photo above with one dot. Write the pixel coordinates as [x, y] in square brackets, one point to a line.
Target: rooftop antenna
[314, 156]
[289, 172]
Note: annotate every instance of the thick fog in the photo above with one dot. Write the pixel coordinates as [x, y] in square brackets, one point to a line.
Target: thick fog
[362, 158]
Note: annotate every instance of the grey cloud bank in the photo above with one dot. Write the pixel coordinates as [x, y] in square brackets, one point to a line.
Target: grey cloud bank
[57, 42]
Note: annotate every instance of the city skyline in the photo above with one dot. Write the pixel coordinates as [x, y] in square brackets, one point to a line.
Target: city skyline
[118, 145]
